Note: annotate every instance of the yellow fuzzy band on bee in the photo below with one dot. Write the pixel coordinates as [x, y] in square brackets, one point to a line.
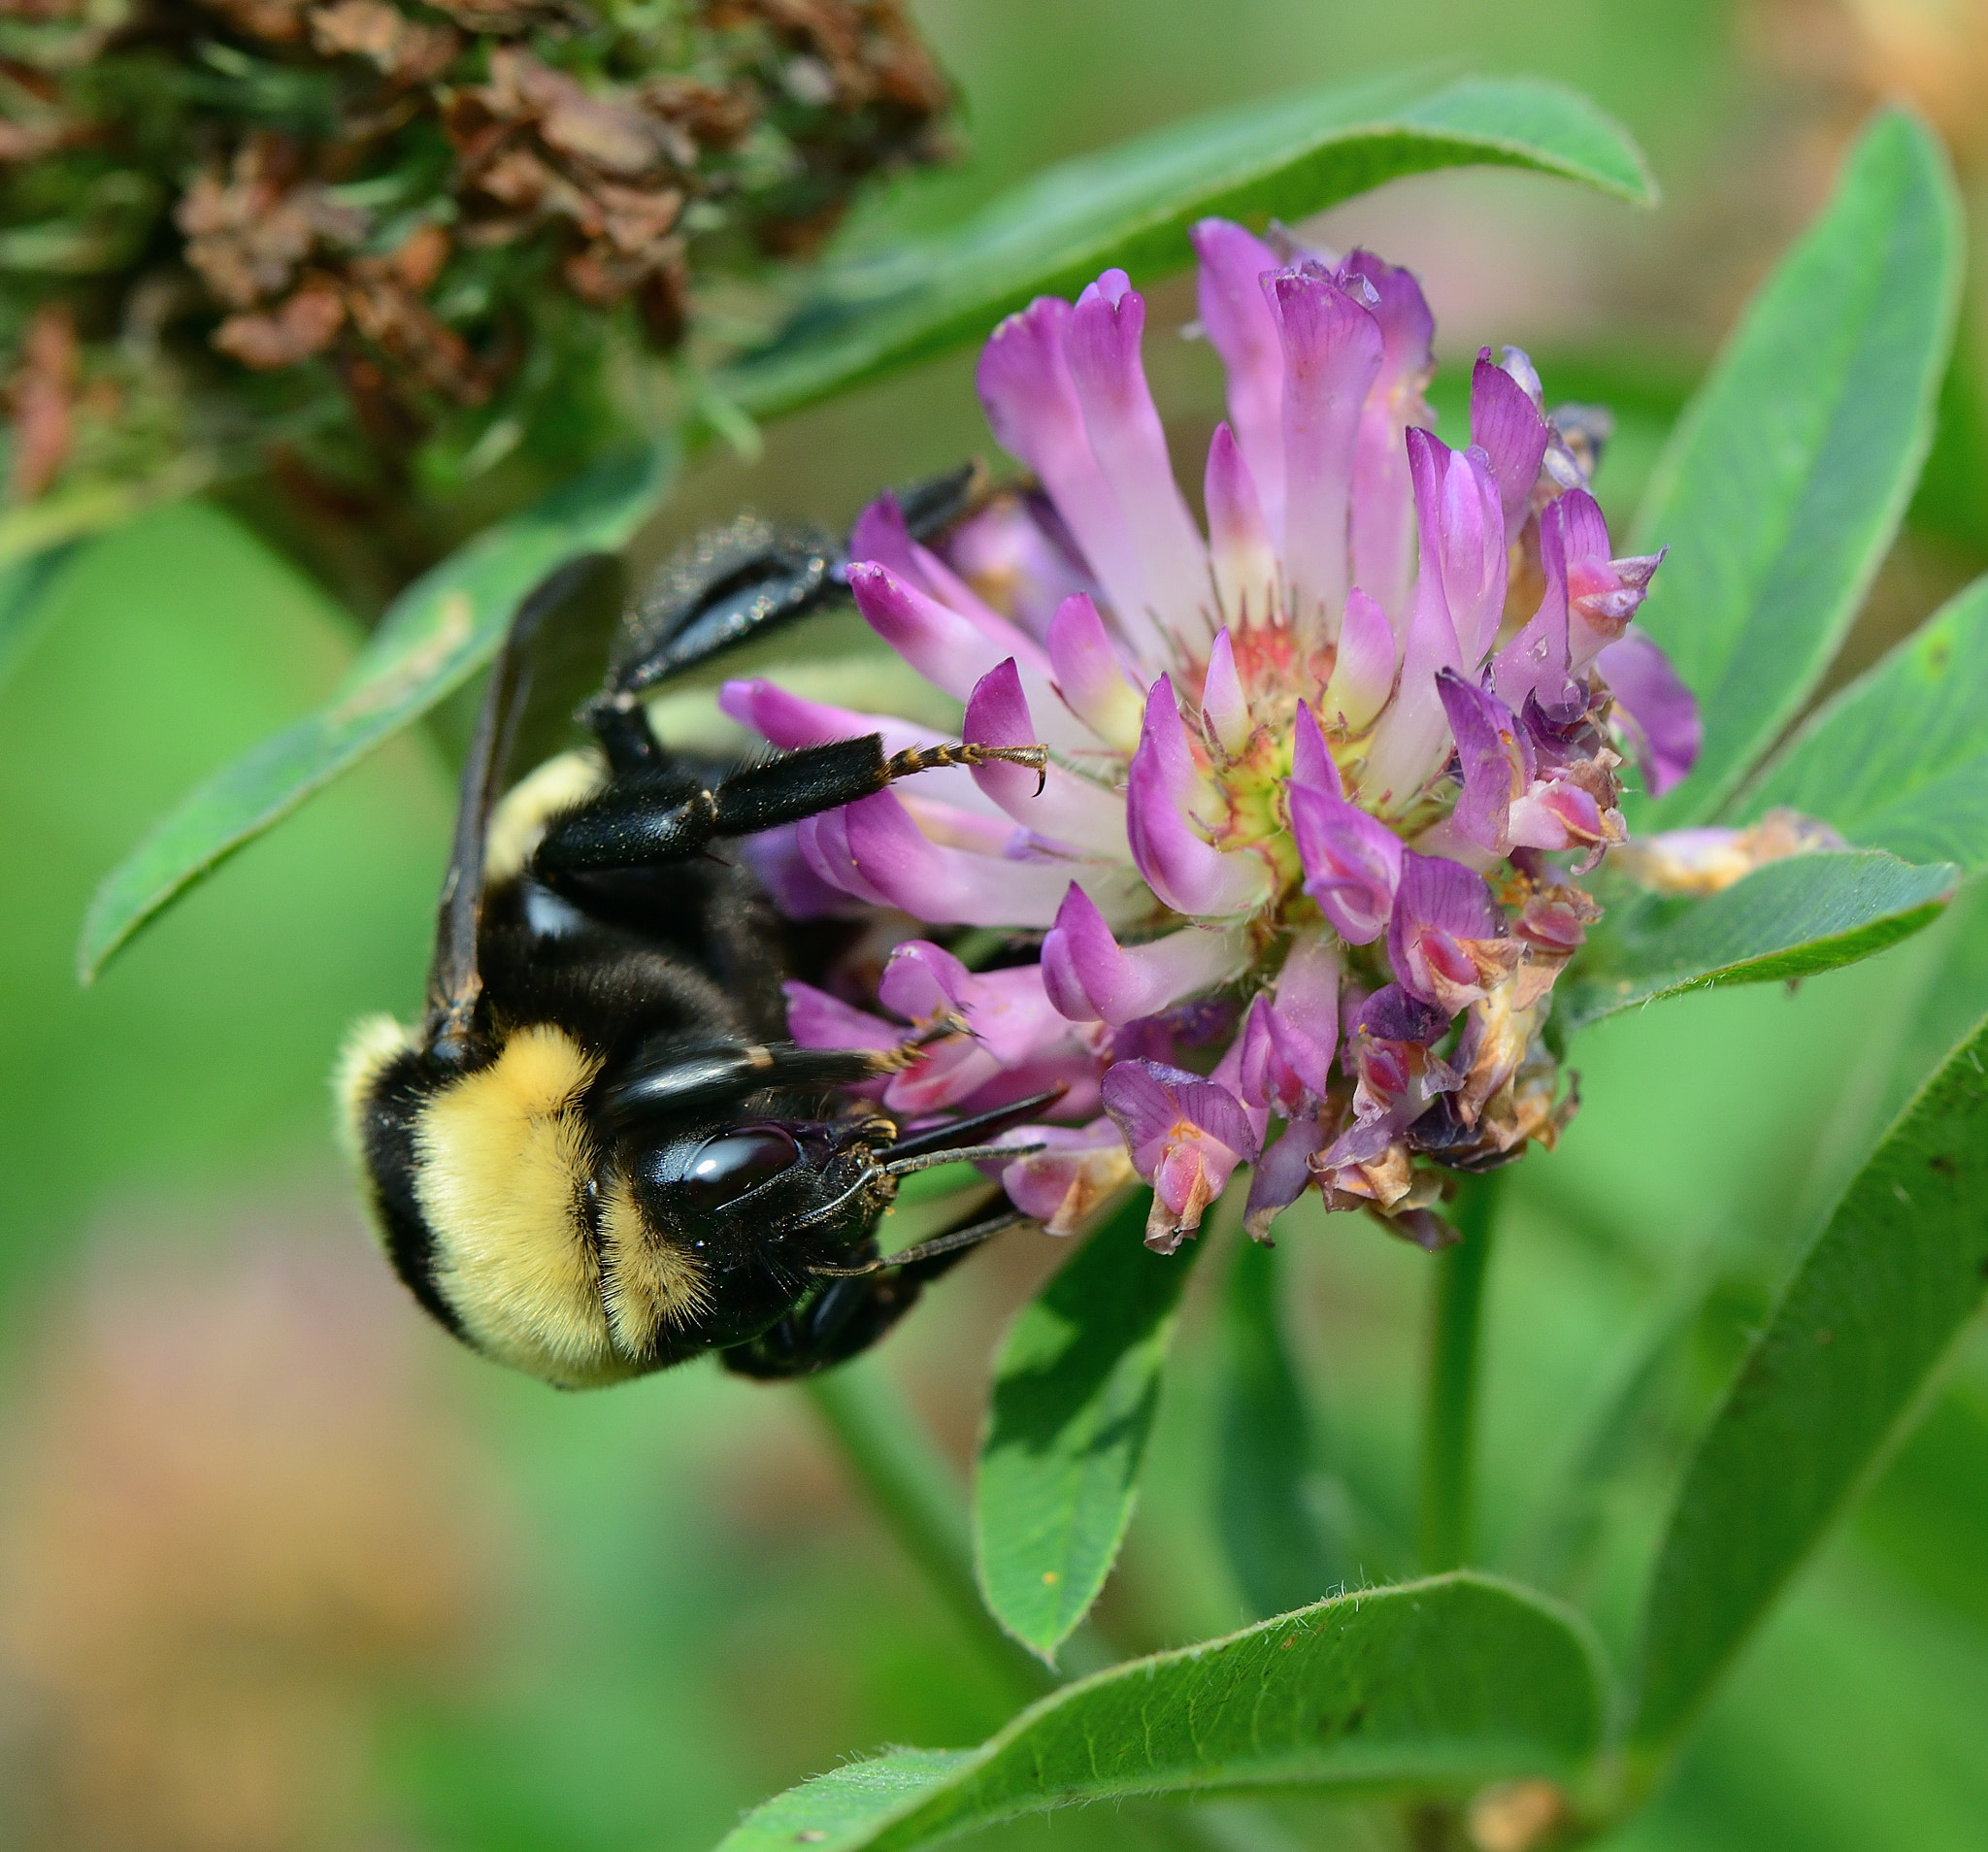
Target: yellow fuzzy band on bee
[372, 1045]
[504, 1163]
[519, 823]
[649, 1286]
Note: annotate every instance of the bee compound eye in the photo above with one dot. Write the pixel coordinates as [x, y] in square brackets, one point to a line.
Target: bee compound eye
[727, 1167]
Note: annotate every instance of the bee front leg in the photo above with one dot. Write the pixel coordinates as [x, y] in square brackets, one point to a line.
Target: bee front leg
[848, 1317]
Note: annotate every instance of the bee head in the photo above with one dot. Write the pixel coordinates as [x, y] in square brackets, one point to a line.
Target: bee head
[768, 1195]
[731, 1224]
[798, 1197]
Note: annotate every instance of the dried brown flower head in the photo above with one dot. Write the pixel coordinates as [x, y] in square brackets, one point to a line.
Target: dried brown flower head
[407, 221]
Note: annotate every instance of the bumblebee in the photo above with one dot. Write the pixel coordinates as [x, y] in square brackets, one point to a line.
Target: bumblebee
[597, 1155]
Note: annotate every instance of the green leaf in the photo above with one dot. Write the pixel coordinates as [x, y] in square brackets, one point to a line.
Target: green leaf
[1898, 760]
[1929, 1514]
[438, 632]
[1948, 501]
[1434, 1687]
[1952, 997]
[837, 1808]
[24, 585]
[1784, 483]
[1789, 919]
[1829, 1385]
[1282, 1551]
[1075, 1390]
[1560, 1550]
[1132, 205]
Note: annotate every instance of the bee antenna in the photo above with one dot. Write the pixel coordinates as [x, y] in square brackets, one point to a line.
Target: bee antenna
[939, 1244]
[962, 1155]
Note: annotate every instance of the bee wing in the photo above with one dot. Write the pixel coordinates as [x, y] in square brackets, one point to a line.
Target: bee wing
[564, 648]
[551, 659]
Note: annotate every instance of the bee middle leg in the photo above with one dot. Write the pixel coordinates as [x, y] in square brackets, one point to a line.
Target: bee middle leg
[652, 817]
[856, 1309]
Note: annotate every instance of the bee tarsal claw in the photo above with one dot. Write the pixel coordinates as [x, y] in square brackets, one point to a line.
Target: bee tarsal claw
[933, 758]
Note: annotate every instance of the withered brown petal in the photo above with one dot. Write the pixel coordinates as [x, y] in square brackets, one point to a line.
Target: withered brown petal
[297, 328]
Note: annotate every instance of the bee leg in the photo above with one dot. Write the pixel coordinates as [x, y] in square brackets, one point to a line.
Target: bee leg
[840, 1323]
[627, 740]
[747, 580]
[813, 1338]
[737, 584]
[931, 506]
[849, 1315]
[655, 817]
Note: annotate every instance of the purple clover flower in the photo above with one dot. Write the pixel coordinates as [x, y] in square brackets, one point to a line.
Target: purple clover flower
[1291, 863]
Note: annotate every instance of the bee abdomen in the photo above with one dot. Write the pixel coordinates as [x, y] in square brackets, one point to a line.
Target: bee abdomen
[381, 1091]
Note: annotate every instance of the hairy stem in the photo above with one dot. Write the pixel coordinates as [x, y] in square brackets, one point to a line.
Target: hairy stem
[910, 1486]
[1449, 1415]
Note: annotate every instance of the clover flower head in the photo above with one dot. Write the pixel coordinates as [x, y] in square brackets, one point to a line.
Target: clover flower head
[1325, 777]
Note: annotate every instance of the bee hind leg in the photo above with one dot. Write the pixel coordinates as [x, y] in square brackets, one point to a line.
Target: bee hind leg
[744, 582]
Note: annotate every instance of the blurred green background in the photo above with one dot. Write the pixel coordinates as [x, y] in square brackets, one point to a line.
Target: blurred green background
[280, 1568]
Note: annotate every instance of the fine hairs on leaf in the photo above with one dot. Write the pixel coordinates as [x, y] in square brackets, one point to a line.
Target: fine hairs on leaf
[1436, 1687]
[1790, 919]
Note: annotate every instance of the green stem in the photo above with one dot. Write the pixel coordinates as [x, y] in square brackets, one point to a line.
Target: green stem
[1449, 1418]
[1435, 1826]
[910, 1486]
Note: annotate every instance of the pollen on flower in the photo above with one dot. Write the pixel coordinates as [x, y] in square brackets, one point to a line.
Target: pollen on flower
[1324, 780]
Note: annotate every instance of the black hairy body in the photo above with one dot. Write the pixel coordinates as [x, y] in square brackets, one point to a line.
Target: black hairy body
[597, 1156]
